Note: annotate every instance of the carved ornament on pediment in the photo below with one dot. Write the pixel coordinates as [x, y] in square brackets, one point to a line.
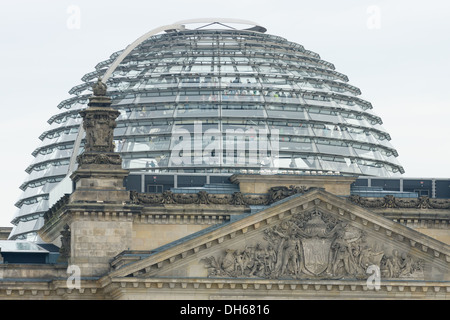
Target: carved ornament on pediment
[313, 245]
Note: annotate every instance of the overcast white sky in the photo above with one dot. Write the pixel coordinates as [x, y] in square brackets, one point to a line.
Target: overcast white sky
[396, 52]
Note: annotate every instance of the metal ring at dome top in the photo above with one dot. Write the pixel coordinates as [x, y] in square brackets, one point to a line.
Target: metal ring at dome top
[224, 21]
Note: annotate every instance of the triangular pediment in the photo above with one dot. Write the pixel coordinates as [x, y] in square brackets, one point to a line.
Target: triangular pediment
[314, 236]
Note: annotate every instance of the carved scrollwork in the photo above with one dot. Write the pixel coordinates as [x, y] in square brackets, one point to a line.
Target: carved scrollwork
[99, 158]
[311, 245]
[439, 203]
[279, 193]
[391, 202]
[146, 198]
[237, 198]
[220, 198]
[254, 199]
[168, 198]
[202, 198]
[424, 203]
[367, 203]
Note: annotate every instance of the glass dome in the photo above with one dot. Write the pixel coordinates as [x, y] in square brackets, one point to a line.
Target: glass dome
[200, 84]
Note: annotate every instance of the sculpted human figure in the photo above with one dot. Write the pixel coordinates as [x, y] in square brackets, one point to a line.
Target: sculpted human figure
[270, 259]
[243, 260]
[240, 262]
[289, 259]
[393, 265]
[65, 243]
[229, 262]
[343, 258]
[406, 265]
[368, 257]
[258, 261]
[340, 257]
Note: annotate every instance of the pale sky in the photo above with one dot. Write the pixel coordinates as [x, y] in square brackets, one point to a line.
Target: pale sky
[396, 52]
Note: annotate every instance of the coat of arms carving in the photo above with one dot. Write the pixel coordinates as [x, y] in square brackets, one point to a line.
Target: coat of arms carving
[313, 245]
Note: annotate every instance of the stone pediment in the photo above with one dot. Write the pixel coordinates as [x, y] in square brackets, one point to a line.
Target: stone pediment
[311, 238]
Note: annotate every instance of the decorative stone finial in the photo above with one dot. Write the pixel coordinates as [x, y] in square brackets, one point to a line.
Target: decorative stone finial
[99, 88]
[99, 123]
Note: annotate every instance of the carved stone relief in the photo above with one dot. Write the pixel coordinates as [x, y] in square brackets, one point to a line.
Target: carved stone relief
[99, 126]
[99, 158]
[389, 201]
[238, 198]
[313, 245]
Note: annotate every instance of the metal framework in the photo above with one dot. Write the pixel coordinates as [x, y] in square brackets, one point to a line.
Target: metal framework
[242, 80]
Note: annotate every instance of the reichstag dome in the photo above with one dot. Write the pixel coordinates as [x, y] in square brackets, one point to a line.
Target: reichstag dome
[226, 100]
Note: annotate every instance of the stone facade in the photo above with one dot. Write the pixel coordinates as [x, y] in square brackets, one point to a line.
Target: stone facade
[311, 244]
[278, 237]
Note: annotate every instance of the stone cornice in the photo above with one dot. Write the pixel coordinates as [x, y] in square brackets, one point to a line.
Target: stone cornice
[332, 288]
[168, 206]
[92, 289]
[417, 218]
[45, 289]
[85, 211]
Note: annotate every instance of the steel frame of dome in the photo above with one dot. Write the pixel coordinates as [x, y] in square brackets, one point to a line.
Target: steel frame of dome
[251, 79]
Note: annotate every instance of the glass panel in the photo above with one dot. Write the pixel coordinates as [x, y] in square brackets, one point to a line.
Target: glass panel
[158, 183]
[332, 149]
[199, 111]
[421, 187]
[190, 181]
[388, 185]
[360, 182]
[243, 111]
[133, 182]
[287, 114]
[241, 96]
[443, 189]
[292, 129]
